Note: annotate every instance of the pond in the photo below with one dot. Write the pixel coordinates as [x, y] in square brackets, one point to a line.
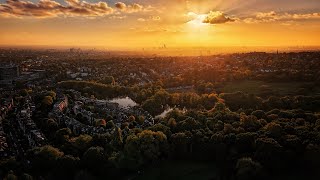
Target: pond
[124, 102]
[164, 113]
[168, 110]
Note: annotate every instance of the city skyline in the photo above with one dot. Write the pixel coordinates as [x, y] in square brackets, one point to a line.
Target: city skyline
[154, 23]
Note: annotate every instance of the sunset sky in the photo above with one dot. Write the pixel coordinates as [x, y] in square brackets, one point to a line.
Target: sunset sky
[152, 23]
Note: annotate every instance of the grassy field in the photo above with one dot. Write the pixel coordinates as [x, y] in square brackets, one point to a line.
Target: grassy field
[184, 170]
[281, 88]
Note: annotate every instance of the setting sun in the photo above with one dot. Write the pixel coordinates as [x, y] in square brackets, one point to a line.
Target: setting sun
[146, 24]
[197, 19]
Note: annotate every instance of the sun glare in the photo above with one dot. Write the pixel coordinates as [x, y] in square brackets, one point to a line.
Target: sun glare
[196, 20]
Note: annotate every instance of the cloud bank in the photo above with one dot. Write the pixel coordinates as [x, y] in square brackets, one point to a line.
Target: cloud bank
[131, 8]
[219, 17]
[272, 16]
[51, 8]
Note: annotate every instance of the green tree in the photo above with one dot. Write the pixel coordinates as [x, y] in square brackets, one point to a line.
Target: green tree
[220, 107]
[249, 123]
[67, 166]
[52, 126]
[96, 160]
[24, 92]
[117, 140]
[228, 128]
[188, 124]
[179, 144]
[247, 169]
[140, 120]
[273, 129]
[147, 146]
[52, 94]
[108, 80]
[260, 114]
[162, 128]
[62, 135]
[82, 143]
[131, 118]
[172, 123]
[110, 125]
[153, 106]
[44, 159]
[245, 141]
[269, 152]
[47, 101]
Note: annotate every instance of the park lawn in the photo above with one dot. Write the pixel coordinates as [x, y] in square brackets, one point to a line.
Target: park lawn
[184, 170]
[253, 87]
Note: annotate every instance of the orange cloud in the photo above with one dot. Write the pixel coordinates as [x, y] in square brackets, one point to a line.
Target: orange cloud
[51, 8]
[217, 17]
[18, 8]
[213, 17]
[131, 8]
[272, 16]
[121, 5]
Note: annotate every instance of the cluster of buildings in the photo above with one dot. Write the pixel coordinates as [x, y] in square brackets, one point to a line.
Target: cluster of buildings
[119, 112]
[11, 73]
[18, 132]
[4, 149]
[102, 108]
[79, 128]
[5, 106]
[29, 128]
[82, 73]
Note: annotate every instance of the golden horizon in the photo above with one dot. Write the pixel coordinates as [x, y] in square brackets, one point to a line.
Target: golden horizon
[146, 24]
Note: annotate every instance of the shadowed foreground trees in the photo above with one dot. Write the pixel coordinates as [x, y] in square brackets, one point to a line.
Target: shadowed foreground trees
[146, 147]
[249, 143]
[247, 169]
[243, 146]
